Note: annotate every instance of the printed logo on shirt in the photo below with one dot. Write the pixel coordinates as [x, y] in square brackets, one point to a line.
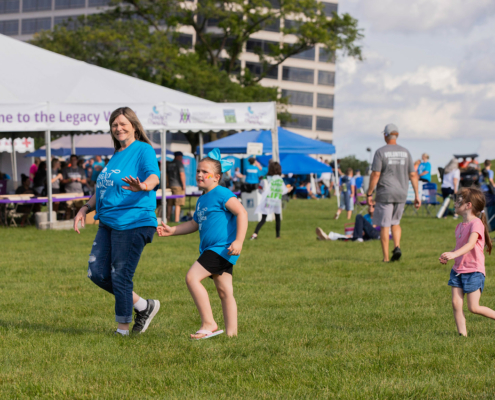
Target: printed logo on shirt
[201, 215]
[104, 180]
[396, 157]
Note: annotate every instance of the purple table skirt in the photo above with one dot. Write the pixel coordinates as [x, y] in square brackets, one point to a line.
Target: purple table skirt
[35, 200]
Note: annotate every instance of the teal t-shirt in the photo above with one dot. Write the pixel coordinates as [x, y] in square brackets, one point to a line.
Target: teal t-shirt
[252, 174]
[217, 225]
[119, 208]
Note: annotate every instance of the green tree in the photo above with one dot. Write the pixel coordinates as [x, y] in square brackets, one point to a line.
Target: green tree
[354, 163]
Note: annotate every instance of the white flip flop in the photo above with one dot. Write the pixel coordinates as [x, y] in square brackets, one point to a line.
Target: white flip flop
[209, 334]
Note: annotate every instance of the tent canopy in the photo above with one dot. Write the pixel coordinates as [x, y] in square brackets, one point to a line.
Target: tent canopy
[289, 142]
[86, 145]
[297, 164]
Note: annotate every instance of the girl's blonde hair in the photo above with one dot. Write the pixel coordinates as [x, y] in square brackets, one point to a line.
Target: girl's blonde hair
[139, 134]
[477, 199]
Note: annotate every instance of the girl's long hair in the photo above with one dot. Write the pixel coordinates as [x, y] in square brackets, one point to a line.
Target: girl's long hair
[139, 134]
[477, 199]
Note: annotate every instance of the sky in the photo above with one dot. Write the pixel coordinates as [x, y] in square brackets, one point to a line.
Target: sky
[429, 68]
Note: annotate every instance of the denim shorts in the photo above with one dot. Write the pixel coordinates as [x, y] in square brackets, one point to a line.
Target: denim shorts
[469, 283]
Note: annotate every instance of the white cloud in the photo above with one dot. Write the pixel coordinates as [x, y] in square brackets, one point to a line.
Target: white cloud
[412, 16]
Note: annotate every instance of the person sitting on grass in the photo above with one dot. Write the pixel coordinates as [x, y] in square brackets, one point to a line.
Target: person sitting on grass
[468, 273]
[363, 229]
[347, 193]
[222, 223]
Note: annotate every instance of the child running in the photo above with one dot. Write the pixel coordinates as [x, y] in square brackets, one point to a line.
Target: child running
[222, 222]
[273, 190]
[468, 274]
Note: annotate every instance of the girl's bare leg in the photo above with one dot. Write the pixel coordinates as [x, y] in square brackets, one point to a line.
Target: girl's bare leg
[225, 290]
[200, 296]
[457, 302]
[473, 300]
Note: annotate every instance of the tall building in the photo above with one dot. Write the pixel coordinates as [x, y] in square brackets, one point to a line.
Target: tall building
[307, 79]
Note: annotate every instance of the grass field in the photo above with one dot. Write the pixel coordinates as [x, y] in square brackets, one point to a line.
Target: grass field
[316, 320]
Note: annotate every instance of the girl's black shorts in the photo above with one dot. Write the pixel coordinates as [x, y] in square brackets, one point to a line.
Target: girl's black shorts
[214, 263]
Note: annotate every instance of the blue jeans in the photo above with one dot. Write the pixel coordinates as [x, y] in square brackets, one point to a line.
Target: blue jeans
[113, 261]
[362, 226]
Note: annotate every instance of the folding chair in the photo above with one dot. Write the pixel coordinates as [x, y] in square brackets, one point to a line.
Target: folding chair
[429, 198]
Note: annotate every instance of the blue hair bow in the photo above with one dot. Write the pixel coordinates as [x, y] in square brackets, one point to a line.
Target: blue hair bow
[215, 155]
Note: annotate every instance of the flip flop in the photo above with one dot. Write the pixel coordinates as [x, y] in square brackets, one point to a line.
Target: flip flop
[209, 334]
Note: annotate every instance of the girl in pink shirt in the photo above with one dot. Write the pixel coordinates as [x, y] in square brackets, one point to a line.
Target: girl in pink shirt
[468, 274]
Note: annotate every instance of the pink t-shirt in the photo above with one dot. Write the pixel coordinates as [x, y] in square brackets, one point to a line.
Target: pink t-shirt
[474, 261]
[33, 170]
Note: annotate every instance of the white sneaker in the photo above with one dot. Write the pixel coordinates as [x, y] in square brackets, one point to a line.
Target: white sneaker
[321, 235]
[360, 240]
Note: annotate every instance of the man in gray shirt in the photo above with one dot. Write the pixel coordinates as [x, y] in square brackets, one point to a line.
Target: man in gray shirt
[392, 169]
[73, 178]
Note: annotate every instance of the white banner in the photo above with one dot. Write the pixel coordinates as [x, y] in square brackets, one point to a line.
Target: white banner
[21, 145]
[173, 117]
[220, 116]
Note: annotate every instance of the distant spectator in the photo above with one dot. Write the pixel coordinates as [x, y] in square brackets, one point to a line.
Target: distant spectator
[416, 165]
[98, 166]
[464, 163]
[4, 176]
[237, 178]
[34, 168]
[450, 181]
[326, 178]
[252, 179]
[424, 169]
[347, 193]
[74, 179]
[56, 176]
[24, 209]
[39, 181]
[487, 173]
[176, 177]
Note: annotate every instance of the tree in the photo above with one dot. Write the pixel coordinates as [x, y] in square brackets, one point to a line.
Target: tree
[355, 164]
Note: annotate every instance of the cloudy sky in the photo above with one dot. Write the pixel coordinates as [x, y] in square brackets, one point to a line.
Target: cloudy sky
[429, 68]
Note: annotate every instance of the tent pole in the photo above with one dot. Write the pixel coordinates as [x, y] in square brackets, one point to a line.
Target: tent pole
[201, 153]
[49, 175]
[72, 144]
[163, 142]
[14, 164]
[275, 148]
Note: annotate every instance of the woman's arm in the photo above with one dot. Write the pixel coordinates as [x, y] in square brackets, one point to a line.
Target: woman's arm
[135, 185]
[182, 229]
[473, 238]
[240, 212]
[81, 215]
[456, 181]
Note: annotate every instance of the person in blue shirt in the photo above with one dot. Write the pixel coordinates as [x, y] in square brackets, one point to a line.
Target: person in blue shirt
[125, 202]
[424, 169]
[252, 177]
[347, 194]
[222, 223]
[98, 166]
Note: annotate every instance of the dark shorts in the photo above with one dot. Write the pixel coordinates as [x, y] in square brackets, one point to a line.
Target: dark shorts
[469, 283]
[214, 263]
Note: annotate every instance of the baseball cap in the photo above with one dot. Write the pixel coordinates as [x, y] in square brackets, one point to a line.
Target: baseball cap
[178, 153]
[390, 128]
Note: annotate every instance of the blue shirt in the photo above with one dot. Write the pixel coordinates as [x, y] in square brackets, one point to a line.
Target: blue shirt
[348, 182]
[252, 174]
[217, 225]
[94, 175]
[119, 208]
[425, 167]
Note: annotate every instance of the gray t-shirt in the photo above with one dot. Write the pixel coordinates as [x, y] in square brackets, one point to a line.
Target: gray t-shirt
[73, 173]
[174, 168]
[56, 184]
[395, 163]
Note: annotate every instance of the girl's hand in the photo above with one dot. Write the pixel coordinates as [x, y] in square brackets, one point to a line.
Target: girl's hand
[165, 230]
[135, 184]
[81, 216]
[235, 248]
[447, 256]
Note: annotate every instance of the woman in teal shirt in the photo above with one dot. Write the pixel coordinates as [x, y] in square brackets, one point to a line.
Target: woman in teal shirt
[125, 202]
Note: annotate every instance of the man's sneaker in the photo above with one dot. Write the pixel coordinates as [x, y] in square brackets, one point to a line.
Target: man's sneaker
[321, 235]
[143, 318]
[396, 254]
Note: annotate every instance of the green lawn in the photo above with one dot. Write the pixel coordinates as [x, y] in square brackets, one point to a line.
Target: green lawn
[316, 320]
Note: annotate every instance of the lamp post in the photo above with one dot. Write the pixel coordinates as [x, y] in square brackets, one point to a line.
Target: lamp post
[368, 149]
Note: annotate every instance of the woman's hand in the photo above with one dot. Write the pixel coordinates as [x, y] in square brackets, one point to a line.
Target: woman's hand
[235, 248]
[165, 230]
[81, 216]
[135, 184]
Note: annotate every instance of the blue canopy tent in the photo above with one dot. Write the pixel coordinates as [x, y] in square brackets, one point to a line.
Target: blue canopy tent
[288, 142]
[85, 145]
[298, 164]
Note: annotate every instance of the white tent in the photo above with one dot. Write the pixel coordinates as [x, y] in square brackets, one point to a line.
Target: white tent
[44, 91]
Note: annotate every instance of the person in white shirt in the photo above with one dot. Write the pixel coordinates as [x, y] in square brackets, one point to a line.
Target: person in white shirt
[450, 181]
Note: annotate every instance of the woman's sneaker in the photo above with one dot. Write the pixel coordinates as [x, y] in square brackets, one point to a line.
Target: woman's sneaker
[254, 236]
[143, 318]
